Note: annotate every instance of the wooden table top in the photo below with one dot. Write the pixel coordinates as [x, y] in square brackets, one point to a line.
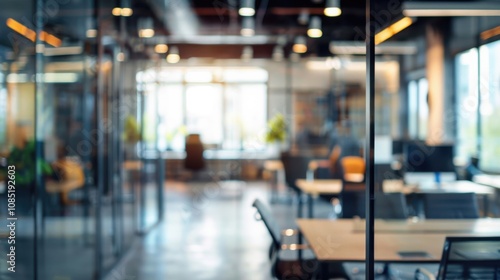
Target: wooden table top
[341, 240]
[319, 186]
[132, 165]
[52, 186]
[447, 187]
[273, 165]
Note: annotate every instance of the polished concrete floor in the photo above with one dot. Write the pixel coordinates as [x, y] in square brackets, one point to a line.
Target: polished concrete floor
[210, 232]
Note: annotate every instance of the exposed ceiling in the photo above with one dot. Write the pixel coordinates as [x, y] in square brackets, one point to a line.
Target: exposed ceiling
[211, 28]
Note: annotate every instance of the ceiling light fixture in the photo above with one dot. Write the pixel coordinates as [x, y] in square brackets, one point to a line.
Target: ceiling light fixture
[314, 30]
[452, 9]
[393, 29]
[357, 47]
[161, 48]
[124, 9]
[146, 28]
[303, 17]
[247, 8]
[173, 56]
[332, 8]
[300, 45]
[248, 27]
[91, 30]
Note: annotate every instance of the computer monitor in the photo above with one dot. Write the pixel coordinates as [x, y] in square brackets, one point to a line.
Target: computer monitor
[420, 157]
[397, 146]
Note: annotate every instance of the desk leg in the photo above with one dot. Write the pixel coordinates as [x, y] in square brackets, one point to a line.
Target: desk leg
[310, 205]
[324, 270]
[299, 206]
[486, 205]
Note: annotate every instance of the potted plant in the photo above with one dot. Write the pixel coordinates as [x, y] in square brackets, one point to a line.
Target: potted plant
[276, 130]
[23, 158]
[131, 136]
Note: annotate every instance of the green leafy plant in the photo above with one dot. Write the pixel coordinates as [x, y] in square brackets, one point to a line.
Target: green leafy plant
[131, 132]
[276, 129]
[24, 161]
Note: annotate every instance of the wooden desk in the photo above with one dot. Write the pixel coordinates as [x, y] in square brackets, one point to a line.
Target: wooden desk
[63, 188]
[342, 241]
[314, 188]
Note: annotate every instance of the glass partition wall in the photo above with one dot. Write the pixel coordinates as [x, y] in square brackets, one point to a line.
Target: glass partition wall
[82, 176]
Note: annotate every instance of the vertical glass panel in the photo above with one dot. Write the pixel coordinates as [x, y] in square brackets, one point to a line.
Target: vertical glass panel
[466, 104]
[423, 108]
[490, 102]
[66, 120]
[413, 109]
[17, 142]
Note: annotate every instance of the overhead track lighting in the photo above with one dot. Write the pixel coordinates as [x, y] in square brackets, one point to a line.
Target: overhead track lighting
[300, 45]
[332, 8]
[173, 56]
[314, 30]
[452, 9]
[393, 29]
[248, 27]
[247, 8]
[146, 28]
[357, 47]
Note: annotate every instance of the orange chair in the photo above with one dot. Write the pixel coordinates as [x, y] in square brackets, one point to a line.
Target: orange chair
[353, 168]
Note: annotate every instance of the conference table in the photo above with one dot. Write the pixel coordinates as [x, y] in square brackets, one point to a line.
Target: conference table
[407, 241]
[315, 187]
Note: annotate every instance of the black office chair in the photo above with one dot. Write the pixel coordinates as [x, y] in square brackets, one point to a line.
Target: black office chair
[194, 160]
[467, 258]
[450, 206]
[353, 204]
[391, 206]
[285, 262]
[296, 167]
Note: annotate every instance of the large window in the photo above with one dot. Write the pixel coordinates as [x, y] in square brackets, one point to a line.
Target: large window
[466, 104]
[418, 111]
[226, 106]
[468, 139]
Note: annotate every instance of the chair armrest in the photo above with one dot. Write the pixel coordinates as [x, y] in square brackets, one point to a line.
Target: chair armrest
[294, 247]
[428, 274]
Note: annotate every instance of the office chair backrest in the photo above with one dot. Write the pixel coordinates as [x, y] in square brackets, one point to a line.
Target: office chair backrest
[194, 153]
[390, 206]
[296, 167]
[353, 204]
[450, 206]
[268, 219]
[470, 258]
[353, 165]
